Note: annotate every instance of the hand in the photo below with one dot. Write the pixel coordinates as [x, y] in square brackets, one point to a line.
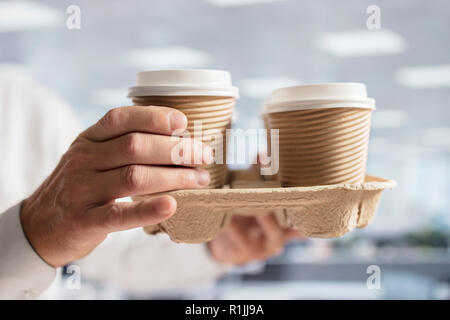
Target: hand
[247, 239]
[121, 155]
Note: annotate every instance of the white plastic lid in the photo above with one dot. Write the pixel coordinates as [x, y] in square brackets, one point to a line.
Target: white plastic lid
[315, 96]
[189, 82]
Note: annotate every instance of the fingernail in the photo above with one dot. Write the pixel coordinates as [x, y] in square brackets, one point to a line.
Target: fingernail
[202, 177]
[177, 121]
[207, 154]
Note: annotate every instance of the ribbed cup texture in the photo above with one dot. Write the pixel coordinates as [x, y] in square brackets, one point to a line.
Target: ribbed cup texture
[215, 114]
[322, 146]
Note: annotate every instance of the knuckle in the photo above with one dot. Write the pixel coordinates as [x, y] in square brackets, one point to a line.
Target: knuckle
[132, 177]
[76, 148]
[79, 139]
[132, 145]
[112, 118]
[187, 178]
[78, 154]
[71, 162]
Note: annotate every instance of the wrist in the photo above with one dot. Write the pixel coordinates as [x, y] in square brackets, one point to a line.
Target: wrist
[26, 215]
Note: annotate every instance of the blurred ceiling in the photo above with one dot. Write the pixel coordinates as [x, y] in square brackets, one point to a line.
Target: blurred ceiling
[253, 39]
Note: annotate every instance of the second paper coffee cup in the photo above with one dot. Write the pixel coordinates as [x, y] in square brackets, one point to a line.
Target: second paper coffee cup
[323, 133]
[206, 97]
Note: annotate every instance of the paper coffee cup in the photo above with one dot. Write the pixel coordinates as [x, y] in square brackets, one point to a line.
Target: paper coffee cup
[206, 97]
[323, 133]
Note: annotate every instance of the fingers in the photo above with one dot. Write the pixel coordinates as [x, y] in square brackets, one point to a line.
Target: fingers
[248, 239]
[290, 234]
[274, 234]
[264, 239]
[277, 237]
[119, 216]
[151, 119]
[140, 179]
[238, 231]
[142, 148]
[245, 239]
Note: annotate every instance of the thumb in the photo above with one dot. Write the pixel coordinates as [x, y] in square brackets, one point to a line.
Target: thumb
[120, 216]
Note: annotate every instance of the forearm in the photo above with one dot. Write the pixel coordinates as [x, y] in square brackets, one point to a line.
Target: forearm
[23, 274]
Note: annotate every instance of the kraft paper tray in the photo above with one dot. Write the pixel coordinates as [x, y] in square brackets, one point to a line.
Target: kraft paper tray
[320, 212]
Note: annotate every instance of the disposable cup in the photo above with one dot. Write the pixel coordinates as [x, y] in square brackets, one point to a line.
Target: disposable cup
[206, 97]
[323, 133]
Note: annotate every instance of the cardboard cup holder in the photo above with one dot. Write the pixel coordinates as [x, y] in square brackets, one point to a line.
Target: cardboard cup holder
[326, 211]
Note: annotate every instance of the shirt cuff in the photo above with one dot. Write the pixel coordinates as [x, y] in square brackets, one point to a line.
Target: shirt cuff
[23, 274]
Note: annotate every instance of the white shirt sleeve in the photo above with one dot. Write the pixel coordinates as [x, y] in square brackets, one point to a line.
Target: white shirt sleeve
[142, 263]
[23, 274]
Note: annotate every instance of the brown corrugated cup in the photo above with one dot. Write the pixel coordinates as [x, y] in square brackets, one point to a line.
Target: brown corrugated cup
[206, 97]
[323, 133]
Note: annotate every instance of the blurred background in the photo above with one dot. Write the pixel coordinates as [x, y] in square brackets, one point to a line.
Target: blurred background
[267, 44]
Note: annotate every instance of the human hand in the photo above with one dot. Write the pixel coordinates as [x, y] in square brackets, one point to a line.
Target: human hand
[123, 154]
[248, 239]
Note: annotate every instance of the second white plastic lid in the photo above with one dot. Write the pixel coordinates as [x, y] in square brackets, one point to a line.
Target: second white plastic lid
[184, 82]
[326, 95]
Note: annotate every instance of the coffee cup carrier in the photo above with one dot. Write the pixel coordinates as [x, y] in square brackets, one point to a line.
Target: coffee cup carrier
[326, 211]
